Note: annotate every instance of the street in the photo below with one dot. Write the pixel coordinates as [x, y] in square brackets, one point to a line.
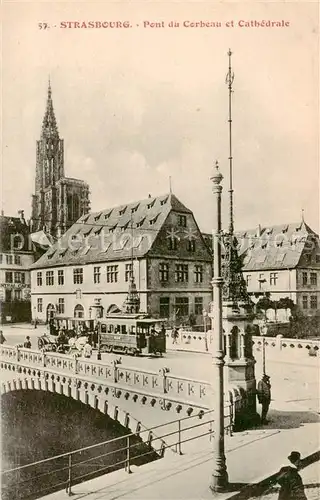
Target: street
[297, 384]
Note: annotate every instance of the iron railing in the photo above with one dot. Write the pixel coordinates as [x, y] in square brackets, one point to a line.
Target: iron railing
[68, 469]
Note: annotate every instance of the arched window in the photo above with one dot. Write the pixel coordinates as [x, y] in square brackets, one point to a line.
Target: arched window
[113, 309]
[79, 311]
[50, 311]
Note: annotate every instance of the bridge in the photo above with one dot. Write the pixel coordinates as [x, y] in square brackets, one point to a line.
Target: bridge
[155, 405]
[135, 396]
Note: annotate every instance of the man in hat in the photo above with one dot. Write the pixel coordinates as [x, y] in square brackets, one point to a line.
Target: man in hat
[291, 485]
[264, 396]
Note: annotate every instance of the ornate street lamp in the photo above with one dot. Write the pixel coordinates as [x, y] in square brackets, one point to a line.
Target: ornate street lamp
[219, 480]
[263, 330]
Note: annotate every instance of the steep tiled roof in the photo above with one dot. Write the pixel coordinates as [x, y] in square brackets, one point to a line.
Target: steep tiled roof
[273, 247]
[107, 235]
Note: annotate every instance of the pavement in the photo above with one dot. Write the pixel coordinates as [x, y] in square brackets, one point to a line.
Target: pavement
[253, 457]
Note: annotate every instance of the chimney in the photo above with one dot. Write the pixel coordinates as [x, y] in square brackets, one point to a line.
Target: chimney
[258, 234]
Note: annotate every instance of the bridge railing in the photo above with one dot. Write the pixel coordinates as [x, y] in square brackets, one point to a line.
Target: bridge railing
[65, 470]
[275, 346]
[160, 383]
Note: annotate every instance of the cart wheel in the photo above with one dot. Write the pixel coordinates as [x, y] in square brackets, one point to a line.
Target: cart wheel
[40, 343]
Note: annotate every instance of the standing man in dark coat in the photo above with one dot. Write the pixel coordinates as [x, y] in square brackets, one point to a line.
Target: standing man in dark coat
[264, 396]
[291, 485]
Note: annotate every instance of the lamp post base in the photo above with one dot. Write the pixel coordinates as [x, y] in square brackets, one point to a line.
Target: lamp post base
[219, 483]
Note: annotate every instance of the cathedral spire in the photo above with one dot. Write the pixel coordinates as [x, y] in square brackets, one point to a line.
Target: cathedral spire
[49, 124]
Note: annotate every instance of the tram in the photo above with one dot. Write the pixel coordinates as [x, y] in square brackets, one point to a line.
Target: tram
[133, 334]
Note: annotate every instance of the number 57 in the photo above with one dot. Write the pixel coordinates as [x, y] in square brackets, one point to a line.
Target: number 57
[43, 26]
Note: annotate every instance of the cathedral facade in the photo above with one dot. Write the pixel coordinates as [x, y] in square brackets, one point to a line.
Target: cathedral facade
[58, 201]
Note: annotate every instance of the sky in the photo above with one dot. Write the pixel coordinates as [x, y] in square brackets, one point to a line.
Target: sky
[138, 105]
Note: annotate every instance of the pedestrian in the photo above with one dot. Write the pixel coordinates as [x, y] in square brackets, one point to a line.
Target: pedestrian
[264, 396]
[174, 335]
[35, 323]
[27, 343]
[291, 485]
[2, 338]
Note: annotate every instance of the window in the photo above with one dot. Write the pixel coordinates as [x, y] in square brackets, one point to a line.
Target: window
[0, 258]
[9, 259]
[164, 307]
[39, 305]
[128, 272]
[49, 278]
[96, 275]
[304, 278]
[60, 277]
[60, 306]
[182, 220]
[39, 278]
[191, 245]
[181, 273]
[305, 301]
[314, 302]
[8, 295]
[261, 281]
[313, 278]
[307, 258]
[172, 243]
[248, 279]
[17, 260]
[9, 277]
[198, 305]
[121, 212]
[17, 277]
[18, 294]
[273, 278]
[163, 271]
[318, 258]
[78, 276]
[140, 223]
[198, 274]
[79, 311]
[112, 274]
[182, 306]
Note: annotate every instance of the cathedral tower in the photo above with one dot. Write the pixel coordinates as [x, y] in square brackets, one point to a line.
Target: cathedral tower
[58, 201]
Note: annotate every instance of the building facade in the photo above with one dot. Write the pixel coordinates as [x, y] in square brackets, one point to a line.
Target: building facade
[58, 201]
[156, 239]
[282, 261]
[16, 257]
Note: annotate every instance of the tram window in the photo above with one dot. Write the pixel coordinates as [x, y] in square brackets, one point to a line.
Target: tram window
[110, 328]
[103, 328]
[123, 329]
[117, 329]
[132, 330]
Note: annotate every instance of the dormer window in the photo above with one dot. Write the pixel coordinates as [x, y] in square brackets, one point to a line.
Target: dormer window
[150, 205]
[285, 229]
[98, 231]
[97, 217]
[264, 245]
[122, 211]
[154, 220]
[182, 220]
[123, 228]
[140, 223]
[87, 231]
[279, 244]
[164, 201]
[269, 230]
[112, 229]
[85, 219]
[134, 209]
[172, 243]
[108, 215]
